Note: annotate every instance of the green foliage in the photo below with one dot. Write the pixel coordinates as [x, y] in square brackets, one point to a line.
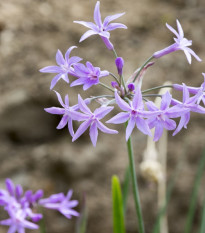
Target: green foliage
[118, 215]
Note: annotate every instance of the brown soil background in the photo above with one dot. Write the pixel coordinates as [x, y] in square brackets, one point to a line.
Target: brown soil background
[36, 155]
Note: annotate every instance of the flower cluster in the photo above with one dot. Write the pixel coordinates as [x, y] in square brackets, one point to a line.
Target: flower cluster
[136, 107]
[22, 207]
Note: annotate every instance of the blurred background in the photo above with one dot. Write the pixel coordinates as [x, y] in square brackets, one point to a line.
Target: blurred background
[36, 155]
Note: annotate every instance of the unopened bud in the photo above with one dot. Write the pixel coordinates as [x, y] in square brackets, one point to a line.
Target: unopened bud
[131, 87]
[114, 84]
[119, 64]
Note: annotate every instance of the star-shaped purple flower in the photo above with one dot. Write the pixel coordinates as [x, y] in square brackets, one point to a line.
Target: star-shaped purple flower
[87, 75]
[62, 203]
[67, 112]
[188, 104]
[134, 112]
[162, 119]
[64, 66]
[194, 90]
[100, 28]
[181, 43]
[92, 120]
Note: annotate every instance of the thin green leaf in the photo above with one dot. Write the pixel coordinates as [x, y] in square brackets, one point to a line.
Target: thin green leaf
[202, 227]
[82, 220]
[118, 216]
[192, 207]
[125, 189]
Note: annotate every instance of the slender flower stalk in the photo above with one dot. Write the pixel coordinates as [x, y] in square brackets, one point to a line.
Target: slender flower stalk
[134, 185]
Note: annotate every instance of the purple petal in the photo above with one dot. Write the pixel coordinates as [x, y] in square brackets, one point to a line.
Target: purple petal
[180, 30]
[105, 129]
[81, 70]
[89, 84]
[121, 103]
[97, 15]
[158, 131]
[114, 26]
[12, 229]
[169, 124]
[93, 133]
[172, 30]
[185, 93]
[130, 127]
[166, 100]
[77, 82]
[188, 55]
[67, 54]
[60, 99]
[63, 122]
[55, 80]
[119, 118]
[87, 24]
[51, 69]
[74, 60]
[137, 100]
[151, 106]
[83, 107]
[183, 123]
[87, 34]
[193, 54]
[104, 73]
[102, 111]
[81, 129]
[69, 194]
[55, 110]
[10, 186]
[110, 18]
[70, 127]
[143, 126]
[59, 58]
[78, 116]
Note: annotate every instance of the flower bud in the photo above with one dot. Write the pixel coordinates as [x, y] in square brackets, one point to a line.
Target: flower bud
[131, 87]
[119, 64]
[114, 84]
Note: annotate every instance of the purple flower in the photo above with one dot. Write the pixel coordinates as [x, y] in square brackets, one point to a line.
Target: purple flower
[18, 222]
[100, 28]
[134, 112]
[62, 203]
[194, 90]
[189, 104]
[181, 43]
[119, 62]
[162, 119]
[64, 66]
[66, 111]
[87, 75]
[92, 120]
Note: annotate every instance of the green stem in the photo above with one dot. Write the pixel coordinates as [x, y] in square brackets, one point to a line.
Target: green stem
[135, 186]
[114, 77]
[156, 88]
[146, 62]
[104, 85]
[115, 53]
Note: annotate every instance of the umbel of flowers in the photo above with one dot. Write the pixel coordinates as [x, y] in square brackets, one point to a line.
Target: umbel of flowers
[135, 104]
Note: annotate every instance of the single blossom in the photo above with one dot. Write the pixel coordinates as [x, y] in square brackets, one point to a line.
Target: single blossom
[134, 113]
[100, 28]
[67, 112]
[162, 119]
[189, 104]
[87, 75]
[181, 43]
[194, 90]
[62, 203]
[92, 120]
[64, 67]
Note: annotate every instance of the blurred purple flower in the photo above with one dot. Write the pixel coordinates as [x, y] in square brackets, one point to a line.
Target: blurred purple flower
[189, 104]
[181, 43]
[194, 90]
[100, 28]
[66, 111]
[62, 203]
[162, 119]
[87, 75]
[64, 66]
[92, 120]
[134, 112]
[119, 62]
